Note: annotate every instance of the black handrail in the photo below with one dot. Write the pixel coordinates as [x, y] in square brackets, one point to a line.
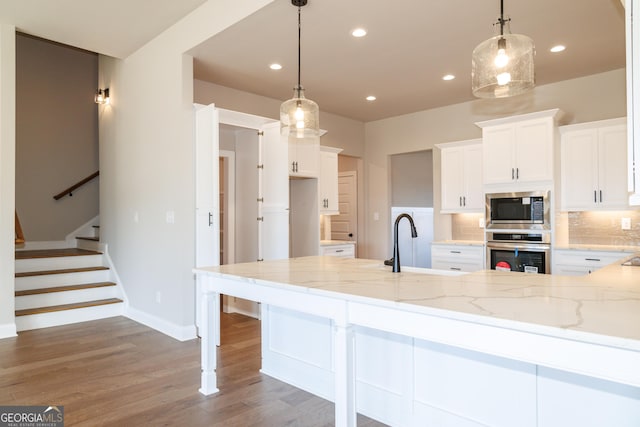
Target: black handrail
[76, 185]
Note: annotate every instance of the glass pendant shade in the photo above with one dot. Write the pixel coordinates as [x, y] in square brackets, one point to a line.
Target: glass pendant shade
[299, 116]
[503, 66]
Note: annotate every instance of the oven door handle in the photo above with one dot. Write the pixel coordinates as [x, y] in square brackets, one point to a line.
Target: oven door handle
[519, 246]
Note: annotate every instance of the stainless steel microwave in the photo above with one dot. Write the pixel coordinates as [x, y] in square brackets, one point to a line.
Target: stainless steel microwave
[522, 211]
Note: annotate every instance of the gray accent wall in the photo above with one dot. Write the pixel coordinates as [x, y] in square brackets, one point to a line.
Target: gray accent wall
[56, 137]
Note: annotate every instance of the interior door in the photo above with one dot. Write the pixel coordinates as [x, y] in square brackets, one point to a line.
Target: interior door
[344, 226]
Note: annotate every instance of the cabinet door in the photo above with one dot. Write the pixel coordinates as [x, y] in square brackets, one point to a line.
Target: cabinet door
[328, 183]
[612, 177]
[473, 191]
[452, 164]
[304, 156]
[499, 154]
[274, 179]
[534, 150]
[579, 169]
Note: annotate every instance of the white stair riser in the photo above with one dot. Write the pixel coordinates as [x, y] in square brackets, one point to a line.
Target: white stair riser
[66, 297]
[57, 263]
[89, 245]
[51, 280]
[66, 317]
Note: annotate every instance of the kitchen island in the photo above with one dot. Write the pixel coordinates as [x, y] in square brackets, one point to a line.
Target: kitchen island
[419, 348]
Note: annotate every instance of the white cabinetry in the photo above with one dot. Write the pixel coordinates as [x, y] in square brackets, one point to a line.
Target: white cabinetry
[461, 177]
[633, 98]
[570, 262]
[328, 181]
[304, 154]
[340, 250]
[455, 257]
[592, 156]
[519, 150]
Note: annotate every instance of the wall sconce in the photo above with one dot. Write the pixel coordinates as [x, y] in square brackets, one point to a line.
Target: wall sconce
[102, 96]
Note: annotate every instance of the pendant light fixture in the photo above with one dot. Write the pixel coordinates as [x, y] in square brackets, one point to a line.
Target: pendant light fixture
[299, 116]
[503, 65]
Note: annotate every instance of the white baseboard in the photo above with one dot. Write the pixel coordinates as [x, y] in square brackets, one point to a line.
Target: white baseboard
[85, 229]
[54, 244]
[180, 333]
[8, 330]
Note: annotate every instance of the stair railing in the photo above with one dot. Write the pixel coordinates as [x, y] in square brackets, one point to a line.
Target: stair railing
[69, 191]
[19, 233]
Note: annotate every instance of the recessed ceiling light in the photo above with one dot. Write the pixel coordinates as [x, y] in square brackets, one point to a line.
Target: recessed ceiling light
[448, 77]
[359, 32]
[371, 98]
[558, 48]
[275, 66]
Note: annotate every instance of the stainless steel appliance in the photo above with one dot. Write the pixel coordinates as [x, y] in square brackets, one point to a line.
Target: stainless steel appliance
[528, 252]
[520, 211]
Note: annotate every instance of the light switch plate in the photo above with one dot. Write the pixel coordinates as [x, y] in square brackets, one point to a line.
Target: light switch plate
[481, 222]
[171, 217]
[625, 223]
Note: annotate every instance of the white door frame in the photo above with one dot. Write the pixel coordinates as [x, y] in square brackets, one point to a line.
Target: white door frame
[229, 158]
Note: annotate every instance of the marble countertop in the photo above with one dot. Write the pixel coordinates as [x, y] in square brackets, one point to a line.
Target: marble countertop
[336, 242]
[459, 242]
[603, 248]
[601, 308]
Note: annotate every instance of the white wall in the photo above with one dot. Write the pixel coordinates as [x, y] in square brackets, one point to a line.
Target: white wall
[147, 167]
[595, 97]
[7, 177]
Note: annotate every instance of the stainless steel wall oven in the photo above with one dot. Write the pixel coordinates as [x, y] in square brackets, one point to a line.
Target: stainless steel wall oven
[528, 252]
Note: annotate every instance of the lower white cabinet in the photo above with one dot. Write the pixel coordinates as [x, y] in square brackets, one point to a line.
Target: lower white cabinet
[456, 257]
[346, 250]
[571, 262]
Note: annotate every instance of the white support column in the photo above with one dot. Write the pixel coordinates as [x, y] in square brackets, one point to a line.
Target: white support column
[210, 336]
[345, 375]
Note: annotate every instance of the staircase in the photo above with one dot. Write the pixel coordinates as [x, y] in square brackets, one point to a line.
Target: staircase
[62, 286]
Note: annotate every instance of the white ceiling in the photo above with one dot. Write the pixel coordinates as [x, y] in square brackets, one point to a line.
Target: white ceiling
[411, 44]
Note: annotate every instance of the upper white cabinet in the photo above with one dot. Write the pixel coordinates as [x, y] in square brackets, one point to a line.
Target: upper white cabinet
[461, 177]
[519, 149]
[328, 181]
[304, 154]
[591, 159]
[633, 98]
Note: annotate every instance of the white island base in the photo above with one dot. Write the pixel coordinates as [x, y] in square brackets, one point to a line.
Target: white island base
[421, 367]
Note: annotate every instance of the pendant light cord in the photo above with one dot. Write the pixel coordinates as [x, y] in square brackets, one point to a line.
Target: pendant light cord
[299, 33]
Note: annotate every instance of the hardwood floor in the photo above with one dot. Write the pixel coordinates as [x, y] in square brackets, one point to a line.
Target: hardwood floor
[117, 372]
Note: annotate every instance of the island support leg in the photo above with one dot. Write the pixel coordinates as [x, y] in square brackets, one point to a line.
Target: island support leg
[345, 376]
[210, 323]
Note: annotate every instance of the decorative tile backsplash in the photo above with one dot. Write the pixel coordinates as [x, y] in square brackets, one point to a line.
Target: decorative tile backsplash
[465, 227]
[603, 228]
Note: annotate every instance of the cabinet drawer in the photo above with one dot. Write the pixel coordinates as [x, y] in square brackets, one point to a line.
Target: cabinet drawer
[343, 251]
[571, 262]
[457, 258]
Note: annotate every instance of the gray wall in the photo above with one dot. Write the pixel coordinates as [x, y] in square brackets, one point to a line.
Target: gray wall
[412, 179]
[56, 137]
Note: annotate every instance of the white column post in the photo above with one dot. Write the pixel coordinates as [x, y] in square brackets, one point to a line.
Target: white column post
[210, 335]
[345, 375]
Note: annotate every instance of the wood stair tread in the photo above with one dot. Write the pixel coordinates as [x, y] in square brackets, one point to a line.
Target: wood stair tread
[53, 253]
[54, 308]
[92, 239]
[63, 271]
[63, 288]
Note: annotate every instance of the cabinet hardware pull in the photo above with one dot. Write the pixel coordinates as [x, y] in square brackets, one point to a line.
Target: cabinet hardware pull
[517, 173]
[464, 200]
[600, 196]
[595, 198]
[460, 202]
[512, 173]
[455, 268]
[455, 252]
[339, 250]
[592, 259]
